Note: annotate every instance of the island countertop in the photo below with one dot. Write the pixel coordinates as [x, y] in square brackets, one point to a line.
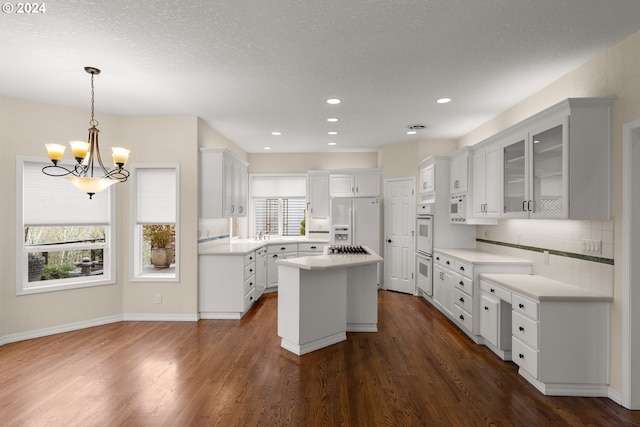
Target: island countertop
[326, 262]
[544, 289]
[245, 246]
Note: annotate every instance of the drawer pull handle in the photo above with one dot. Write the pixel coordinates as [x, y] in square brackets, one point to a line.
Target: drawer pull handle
[448, 263]
[492, 290]
[437, 258]
[521, 329]
[486, 308]
[282, 248]
[461, 283]
[521, 305]
[251, 270]
[461, 317]
[521, 356]
[314, 247]
[462, 300]
[461, 268]
[250, 298]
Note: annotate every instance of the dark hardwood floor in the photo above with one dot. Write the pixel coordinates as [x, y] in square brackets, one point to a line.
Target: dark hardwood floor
[418, 370]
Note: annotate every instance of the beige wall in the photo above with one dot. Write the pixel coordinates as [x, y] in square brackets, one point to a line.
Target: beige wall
[612, 73]
[303, 162]
[24, 128]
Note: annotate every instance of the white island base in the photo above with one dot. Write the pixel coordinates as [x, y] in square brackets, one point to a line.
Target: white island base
[318, 305]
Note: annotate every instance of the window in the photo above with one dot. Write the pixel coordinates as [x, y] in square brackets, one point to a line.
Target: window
[154, 220]
[66, 240]
[278, 204]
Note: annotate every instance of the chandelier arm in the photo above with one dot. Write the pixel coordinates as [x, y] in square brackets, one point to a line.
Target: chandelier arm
[57, 170]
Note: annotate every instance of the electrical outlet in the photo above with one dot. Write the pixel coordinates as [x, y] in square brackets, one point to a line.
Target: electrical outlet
[591, 246]
[546, 257]
[158, 298]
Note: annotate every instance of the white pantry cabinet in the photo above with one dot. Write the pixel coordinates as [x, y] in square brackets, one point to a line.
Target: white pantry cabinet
[557, 164]
[223, 184]
[355, 183]
[459, 171]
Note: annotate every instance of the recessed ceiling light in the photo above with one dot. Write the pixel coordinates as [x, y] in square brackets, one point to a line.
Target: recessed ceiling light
[332, 132]
[411, 132]
[333, 101]
[267, 148]
[332, 119]
[443, 100]
[276, 133]
[331, 143]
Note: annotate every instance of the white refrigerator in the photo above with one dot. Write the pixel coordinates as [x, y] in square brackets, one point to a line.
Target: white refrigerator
[356, 221]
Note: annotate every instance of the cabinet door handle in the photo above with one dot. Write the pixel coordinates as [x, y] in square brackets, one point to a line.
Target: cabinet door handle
[486, 308]
[461, 317]
[524, 203]
[492, 290]
[448, 263]
[529, 205]
[274, 256]
[521, 305]
[521, 329]
[521, 356]
[461, 283]
[461, 300]
[461, 268]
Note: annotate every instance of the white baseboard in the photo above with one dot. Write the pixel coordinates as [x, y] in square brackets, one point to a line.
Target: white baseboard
[22, 336]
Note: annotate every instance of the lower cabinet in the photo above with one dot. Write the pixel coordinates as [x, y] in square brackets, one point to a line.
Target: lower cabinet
[226, 285]
[275, 252]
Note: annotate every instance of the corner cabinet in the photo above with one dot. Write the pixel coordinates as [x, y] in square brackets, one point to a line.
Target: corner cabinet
[223, 184]
[557, 164]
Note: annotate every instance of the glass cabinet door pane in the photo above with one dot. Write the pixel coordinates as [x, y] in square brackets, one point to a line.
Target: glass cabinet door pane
[514, 176]
[547, 171]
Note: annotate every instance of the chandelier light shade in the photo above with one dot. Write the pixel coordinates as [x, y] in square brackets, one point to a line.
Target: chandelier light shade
[89, 174]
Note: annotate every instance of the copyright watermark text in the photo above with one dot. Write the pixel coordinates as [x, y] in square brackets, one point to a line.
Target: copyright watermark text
[26, 8]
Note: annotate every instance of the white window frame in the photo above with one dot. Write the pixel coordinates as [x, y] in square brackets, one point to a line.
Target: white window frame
[23, 286]
[275, 195]
[135, 270]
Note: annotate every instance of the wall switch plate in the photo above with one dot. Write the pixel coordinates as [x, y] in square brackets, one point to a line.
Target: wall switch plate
[158, 298]
[591, 246]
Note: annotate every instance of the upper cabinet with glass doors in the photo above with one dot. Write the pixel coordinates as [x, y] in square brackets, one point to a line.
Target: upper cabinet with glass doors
[557, 164]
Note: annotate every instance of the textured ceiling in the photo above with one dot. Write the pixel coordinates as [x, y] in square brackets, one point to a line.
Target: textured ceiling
[250, 67]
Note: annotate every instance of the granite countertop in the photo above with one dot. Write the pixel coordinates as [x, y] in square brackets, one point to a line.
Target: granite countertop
[326, 262]
[245, 246]
[544, 289]
[475, 256]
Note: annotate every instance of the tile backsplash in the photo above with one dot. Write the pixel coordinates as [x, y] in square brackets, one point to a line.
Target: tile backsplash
[567, 260]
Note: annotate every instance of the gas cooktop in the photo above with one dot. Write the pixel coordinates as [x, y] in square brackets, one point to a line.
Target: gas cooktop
[346, 250]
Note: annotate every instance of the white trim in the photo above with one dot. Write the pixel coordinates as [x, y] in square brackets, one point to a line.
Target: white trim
[627, 194]
[53, 330]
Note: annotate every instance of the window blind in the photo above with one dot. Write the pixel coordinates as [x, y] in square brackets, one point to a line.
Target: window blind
[156, 195]
[53, 201]
[273, 186]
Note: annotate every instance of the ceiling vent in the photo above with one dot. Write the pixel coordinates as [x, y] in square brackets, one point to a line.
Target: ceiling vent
[417, 127]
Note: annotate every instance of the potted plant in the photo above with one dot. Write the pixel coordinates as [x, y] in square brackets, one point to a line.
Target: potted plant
[161, 238]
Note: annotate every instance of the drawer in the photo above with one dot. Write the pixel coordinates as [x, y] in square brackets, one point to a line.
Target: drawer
[249, 298]
[464, 284]
[525, 306]
[463, 317]
[525, 357]
[525, 329]
[249, 270]
[464, 268]
[497, 291]
[249, 258]
[311, 247]
[463, 300]
[249, 284]
[283, 248]
[443, 260]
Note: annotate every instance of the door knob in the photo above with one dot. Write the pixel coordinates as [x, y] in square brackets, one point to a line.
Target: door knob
[388, 240]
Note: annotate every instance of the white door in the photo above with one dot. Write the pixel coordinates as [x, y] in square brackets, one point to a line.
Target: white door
[399, 241]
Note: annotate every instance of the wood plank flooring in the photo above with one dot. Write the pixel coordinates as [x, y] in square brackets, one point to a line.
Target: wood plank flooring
[418, 370]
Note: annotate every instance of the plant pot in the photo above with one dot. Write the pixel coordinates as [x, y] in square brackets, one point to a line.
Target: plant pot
[161, 257]
[36, 266]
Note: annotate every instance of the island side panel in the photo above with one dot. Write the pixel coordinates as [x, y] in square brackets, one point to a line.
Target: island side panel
[362, 298]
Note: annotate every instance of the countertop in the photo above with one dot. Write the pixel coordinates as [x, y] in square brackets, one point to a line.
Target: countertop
[475, 256]
[245, 246]
[544, 289]
[326, 262]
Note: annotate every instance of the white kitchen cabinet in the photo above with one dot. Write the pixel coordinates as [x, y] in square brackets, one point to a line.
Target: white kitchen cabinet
[438, 286]
[557, 164]
[275, 252]
[355, 183]
[427, 180]
[485, 195]
[261, 272]
[223, 184]
[459, 171]
[226, 285]
[318, 194]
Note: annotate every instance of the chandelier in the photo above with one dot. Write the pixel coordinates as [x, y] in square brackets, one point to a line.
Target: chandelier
[89, 173]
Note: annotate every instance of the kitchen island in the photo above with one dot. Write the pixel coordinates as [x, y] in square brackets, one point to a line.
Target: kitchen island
[321, 298]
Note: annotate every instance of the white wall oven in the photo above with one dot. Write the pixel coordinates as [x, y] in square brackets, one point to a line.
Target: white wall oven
[424, 248]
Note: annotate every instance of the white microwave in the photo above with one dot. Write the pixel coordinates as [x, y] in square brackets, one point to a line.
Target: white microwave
[458, 209]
